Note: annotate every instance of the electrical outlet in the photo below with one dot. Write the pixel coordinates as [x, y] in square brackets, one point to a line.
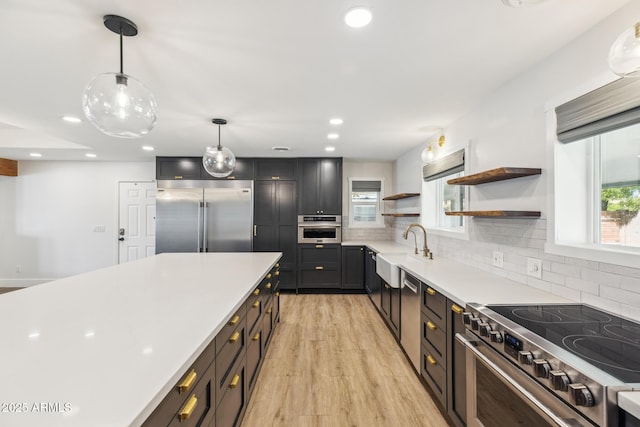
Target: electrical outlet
[18, 268]
[498, 259]
[534, 268]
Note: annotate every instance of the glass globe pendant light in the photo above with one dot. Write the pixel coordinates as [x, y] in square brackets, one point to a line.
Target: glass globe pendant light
[219, 161]
[624, 55]
[116, 103]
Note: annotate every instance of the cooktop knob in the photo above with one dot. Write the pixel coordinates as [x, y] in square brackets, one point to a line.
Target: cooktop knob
[466, 317]
[559, 380]
[484, 329]
[525, 357]
[495, 336]
[580, 395]
[541, 368]
[474, 322]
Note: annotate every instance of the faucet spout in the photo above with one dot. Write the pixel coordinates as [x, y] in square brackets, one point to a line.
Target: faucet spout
[425, 249]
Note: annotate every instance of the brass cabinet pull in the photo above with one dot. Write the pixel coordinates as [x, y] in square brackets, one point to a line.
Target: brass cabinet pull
[431, 360]
[256, 292]
[177, 177]
[430, 291]
[255, 231]
[256, 304]
[277, 264]
[431, 325]
[234, 382]
[234, 337]
[268, 285]
[269, 310]
[319, 267]
[277, 273]
[269, 276]
[231, 177]
[234, 321]
[275, 177]
[277, 294]
[256, 337]
[456, 309]
[189, 380]
[188, 408]
[319, 246]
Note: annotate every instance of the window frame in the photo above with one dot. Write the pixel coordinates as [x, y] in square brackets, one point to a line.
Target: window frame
[379, 222]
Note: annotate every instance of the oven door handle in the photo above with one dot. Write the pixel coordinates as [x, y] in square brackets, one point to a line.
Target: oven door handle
[471, 346]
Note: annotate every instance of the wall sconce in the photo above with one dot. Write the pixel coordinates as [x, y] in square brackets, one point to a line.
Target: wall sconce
[429, 153]
[624, 55]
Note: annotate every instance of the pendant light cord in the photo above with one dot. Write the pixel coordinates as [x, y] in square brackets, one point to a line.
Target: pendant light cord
[121, 56]
[219, 146]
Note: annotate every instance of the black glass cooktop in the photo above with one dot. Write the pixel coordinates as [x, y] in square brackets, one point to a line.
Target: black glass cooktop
[604, 340]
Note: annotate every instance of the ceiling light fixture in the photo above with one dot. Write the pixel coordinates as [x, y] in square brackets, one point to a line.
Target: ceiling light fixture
[35, 154]
[330, 148]
[147, 148]
[358, 17]
[219, 161]
[72, 119]
[522, 3]
[91, 155]
[336, 121]
[333, 136]
[624, 55]
[116, 103]
[280, 148]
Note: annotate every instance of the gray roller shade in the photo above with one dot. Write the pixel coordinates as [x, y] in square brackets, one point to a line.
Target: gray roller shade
[365, 186]
[613, 106]
[443, 166]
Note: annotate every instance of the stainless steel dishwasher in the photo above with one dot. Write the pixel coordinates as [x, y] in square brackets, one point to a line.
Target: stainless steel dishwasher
[410, 317]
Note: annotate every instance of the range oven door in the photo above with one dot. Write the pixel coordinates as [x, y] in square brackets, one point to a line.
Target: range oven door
[501, 394]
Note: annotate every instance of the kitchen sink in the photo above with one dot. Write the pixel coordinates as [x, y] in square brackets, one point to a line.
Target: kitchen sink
[388, 267]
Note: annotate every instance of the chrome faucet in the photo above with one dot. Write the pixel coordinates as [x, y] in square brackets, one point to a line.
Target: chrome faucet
[425, 249]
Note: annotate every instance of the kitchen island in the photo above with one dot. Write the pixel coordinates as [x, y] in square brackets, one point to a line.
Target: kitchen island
[104, 348]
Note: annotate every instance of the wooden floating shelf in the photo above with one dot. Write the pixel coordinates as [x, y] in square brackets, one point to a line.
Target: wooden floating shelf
[401, 196]
[493, 175]
[496, 214]
[400, 214]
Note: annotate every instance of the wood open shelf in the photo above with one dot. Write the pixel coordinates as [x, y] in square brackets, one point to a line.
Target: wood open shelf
[497, 214]
[400, 196]
[493, 175]
[400, 214]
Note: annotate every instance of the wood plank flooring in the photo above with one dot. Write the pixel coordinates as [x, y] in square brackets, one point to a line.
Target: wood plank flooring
[5, 290]
[333, 362]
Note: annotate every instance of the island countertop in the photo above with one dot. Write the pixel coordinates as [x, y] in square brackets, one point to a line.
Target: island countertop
[103, 348]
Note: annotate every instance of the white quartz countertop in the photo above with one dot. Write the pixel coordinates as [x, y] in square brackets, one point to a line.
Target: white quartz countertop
[630, 402]
[459, 282]
[103, 348]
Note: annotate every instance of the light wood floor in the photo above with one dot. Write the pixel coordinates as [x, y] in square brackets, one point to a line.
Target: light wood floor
[333, 362]
[5, 290]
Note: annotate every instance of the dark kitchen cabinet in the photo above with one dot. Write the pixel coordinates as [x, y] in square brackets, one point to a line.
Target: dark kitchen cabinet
[457, 366]
[180, 168]
[242, 170]
[276, 226]
[353, 267]
[319, 266]
[390, 308]
[275, 169]
[320, 190]
[372, 282]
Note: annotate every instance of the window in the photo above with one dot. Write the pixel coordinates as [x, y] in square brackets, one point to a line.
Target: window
[439, 197]
[365, 202]
[597, 176]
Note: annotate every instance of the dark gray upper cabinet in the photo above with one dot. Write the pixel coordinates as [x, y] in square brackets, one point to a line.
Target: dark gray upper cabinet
[320, 189]
[243, 170]
[275, 169]
[180, 168]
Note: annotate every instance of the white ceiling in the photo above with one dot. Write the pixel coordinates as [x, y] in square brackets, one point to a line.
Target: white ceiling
[276, 70]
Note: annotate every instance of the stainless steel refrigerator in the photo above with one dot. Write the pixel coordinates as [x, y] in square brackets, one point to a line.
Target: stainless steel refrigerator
[204, 216]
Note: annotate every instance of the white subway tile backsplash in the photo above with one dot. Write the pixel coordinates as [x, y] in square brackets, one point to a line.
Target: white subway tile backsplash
[606, 304]
[600, 277]
[630, 284]
[555, 278]
[632, 311]
[565, 269]
[620, 295]
[618, 269]
[571, 294]
[582, 285]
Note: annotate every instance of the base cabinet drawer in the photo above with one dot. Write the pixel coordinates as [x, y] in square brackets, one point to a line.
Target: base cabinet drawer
[197, 410]
[434, 305]
[435, 337]
[255, 354]
[234, 397]
[435, 375]
[232, 352]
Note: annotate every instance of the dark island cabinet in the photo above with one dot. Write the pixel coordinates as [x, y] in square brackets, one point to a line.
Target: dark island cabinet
[275, 169]
[275, 225]
[319, 266]
[320, 190]
[353, 267]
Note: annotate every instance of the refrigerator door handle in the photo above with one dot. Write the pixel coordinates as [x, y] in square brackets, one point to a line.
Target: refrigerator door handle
[200, 207]
[204, 222]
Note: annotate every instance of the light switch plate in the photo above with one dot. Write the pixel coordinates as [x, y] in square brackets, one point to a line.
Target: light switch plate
[498, 259]
[534, 267]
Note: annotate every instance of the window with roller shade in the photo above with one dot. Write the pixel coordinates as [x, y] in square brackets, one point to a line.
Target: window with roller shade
[365, 202]
[597, 169]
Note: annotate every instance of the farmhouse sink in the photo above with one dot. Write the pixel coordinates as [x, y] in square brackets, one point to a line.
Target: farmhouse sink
[388, 267]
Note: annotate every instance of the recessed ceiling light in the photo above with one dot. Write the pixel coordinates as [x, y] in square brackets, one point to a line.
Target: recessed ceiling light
[333, 136]
[329, 148]
[35, 154]
[522, 3]
[281, 148]
[147, 148]
[91, 155]
[336, 121]
[71, 119]
[358, 17]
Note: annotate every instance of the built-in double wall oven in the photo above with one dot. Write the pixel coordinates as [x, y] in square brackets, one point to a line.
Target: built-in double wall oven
[319, 229]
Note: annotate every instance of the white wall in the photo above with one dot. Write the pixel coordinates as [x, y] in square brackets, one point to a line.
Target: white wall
[509, 128]
[48, 214]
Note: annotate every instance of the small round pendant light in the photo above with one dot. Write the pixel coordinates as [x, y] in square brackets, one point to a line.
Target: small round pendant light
[219, 161]
[116, 103]
[624, 55]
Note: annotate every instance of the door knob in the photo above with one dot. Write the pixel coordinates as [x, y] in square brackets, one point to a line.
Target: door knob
[121, 239]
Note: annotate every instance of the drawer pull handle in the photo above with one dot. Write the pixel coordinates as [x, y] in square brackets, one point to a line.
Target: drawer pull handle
[319, 246]
[177, 177]
[256, 304]
[277, 264]
[188, 408]
[231, 177]
[431, 360]
[269, 276]
[278, 293]
[234, 337]
[275, 177]
[456, 309]
[268, 285]
[431, 325]
[277, 273]
[234, 382]
[234, 321]
[430, 291]
[256, 292]
[269, 310]
[256, 337]
[320, 267]
[188, 382]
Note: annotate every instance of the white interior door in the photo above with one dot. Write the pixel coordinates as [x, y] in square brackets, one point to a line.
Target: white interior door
[137, 221]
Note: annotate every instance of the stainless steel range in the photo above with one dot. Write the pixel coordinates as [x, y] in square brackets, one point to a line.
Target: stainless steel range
[548, 365]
